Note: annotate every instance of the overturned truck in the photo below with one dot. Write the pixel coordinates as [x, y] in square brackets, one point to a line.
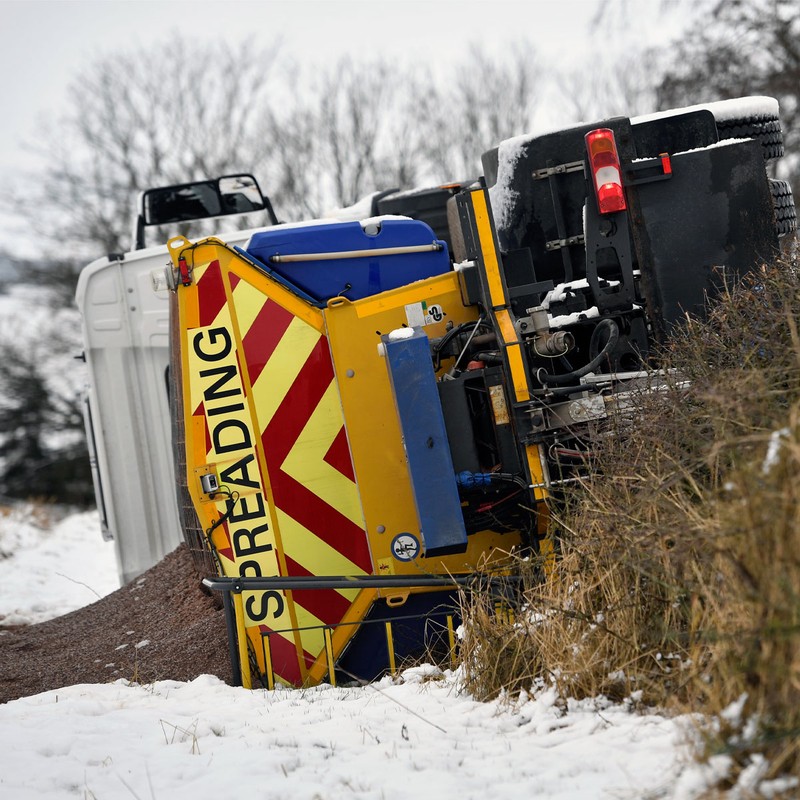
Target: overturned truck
[367, 413]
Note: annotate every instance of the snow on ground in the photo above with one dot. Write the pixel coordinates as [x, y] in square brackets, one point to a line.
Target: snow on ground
[417, 736]
[418, 739]
[47, 567]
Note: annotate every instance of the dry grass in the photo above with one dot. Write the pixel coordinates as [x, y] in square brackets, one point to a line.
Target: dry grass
[679, 574]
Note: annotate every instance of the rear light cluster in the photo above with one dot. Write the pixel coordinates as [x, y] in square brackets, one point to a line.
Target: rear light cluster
[606, 171]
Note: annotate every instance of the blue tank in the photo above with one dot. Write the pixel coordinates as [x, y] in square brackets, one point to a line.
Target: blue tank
[353, 276]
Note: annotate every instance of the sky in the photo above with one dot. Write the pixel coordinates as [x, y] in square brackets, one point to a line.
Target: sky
[418, 735]
[46, 43]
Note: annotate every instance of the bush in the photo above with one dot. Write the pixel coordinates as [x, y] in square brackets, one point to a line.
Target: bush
[679, 568]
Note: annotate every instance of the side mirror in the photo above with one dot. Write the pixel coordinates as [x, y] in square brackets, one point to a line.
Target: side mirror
[239, 194]
[185, 202]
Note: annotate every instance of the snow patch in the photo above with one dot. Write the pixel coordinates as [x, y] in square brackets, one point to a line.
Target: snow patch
[400, 333]
[419, 735]
[501, 196]
[563, 320]
[723, 110]
[416, 736]
[773, 449]
[48, 568]
[379, 220]
[560, 293]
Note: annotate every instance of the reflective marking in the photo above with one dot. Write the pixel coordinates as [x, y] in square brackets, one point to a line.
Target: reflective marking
[497, 294]
[248, 302]
[306, 460]
[282, 369]
[313, 554]
[537, 470]
[312, 641]
[506, 326]
[514, 355]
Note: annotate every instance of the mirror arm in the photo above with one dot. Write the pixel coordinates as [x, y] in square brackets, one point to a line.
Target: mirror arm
[138, 243]
[270, 212]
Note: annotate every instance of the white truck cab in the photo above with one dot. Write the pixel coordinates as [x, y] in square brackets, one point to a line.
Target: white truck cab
[126, 347]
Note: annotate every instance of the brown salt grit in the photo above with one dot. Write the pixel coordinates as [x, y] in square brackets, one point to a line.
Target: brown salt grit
[161, 626]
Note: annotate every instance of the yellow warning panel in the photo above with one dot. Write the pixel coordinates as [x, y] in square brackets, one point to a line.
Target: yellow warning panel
[354, 330]
[268, 461]
[295, 457]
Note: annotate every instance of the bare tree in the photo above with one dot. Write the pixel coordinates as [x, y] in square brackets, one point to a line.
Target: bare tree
[346, 135]
[186, 111]
[352, 111]
[372, 125]
[165, 114]
[488, 99]
[745, 47]
[622, 85]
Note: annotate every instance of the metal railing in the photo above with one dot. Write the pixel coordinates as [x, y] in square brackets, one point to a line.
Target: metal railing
[231, 589]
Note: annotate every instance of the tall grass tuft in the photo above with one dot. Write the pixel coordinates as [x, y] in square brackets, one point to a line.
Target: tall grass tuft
[679, 570]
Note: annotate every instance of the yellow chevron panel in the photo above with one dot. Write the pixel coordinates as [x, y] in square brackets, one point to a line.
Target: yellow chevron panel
[312, 641]
[248, 302]
[199, 270]
[314, 555]
[282, 369]
[305, 461]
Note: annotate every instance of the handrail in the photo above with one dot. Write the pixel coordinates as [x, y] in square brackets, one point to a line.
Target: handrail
[247, 584]
[234, 615]
[342, 254]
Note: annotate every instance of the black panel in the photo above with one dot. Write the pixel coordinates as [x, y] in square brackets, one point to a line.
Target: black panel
[675, 134]
[458, 422]
[428, 205]
[530, 217]
[705, 225]
[419, 630]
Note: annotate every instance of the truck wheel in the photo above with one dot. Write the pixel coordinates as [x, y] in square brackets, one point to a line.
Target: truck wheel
[764, 128]
[783, 203]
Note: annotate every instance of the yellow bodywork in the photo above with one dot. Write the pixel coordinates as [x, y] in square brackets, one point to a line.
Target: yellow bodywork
[289, 406]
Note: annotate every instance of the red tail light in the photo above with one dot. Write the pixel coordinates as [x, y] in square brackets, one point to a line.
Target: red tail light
[183, 268]
[606, 171]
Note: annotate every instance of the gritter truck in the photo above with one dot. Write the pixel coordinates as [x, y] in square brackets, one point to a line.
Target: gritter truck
[363, 414]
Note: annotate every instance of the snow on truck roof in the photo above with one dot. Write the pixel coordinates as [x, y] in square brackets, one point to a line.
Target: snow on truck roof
[723, 110]
[503, 195]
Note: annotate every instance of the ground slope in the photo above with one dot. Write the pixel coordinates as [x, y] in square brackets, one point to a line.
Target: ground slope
[160, 626]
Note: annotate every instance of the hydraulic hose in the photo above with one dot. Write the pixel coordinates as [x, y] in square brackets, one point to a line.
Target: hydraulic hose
[613, 336]
[438, 346]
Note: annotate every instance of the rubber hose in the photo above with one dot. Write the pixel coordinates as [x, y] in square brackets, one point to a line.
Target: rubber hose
[613, 337]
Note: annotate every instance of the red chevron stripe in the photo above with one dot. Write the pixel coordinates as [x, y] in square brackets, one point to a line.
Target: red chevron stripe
[228, 550]
[278, 439]
[234, 279]
[338, 455]
[327, 605]
[263, 337]
[210, 294]
[284, 657]
[324, 521]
